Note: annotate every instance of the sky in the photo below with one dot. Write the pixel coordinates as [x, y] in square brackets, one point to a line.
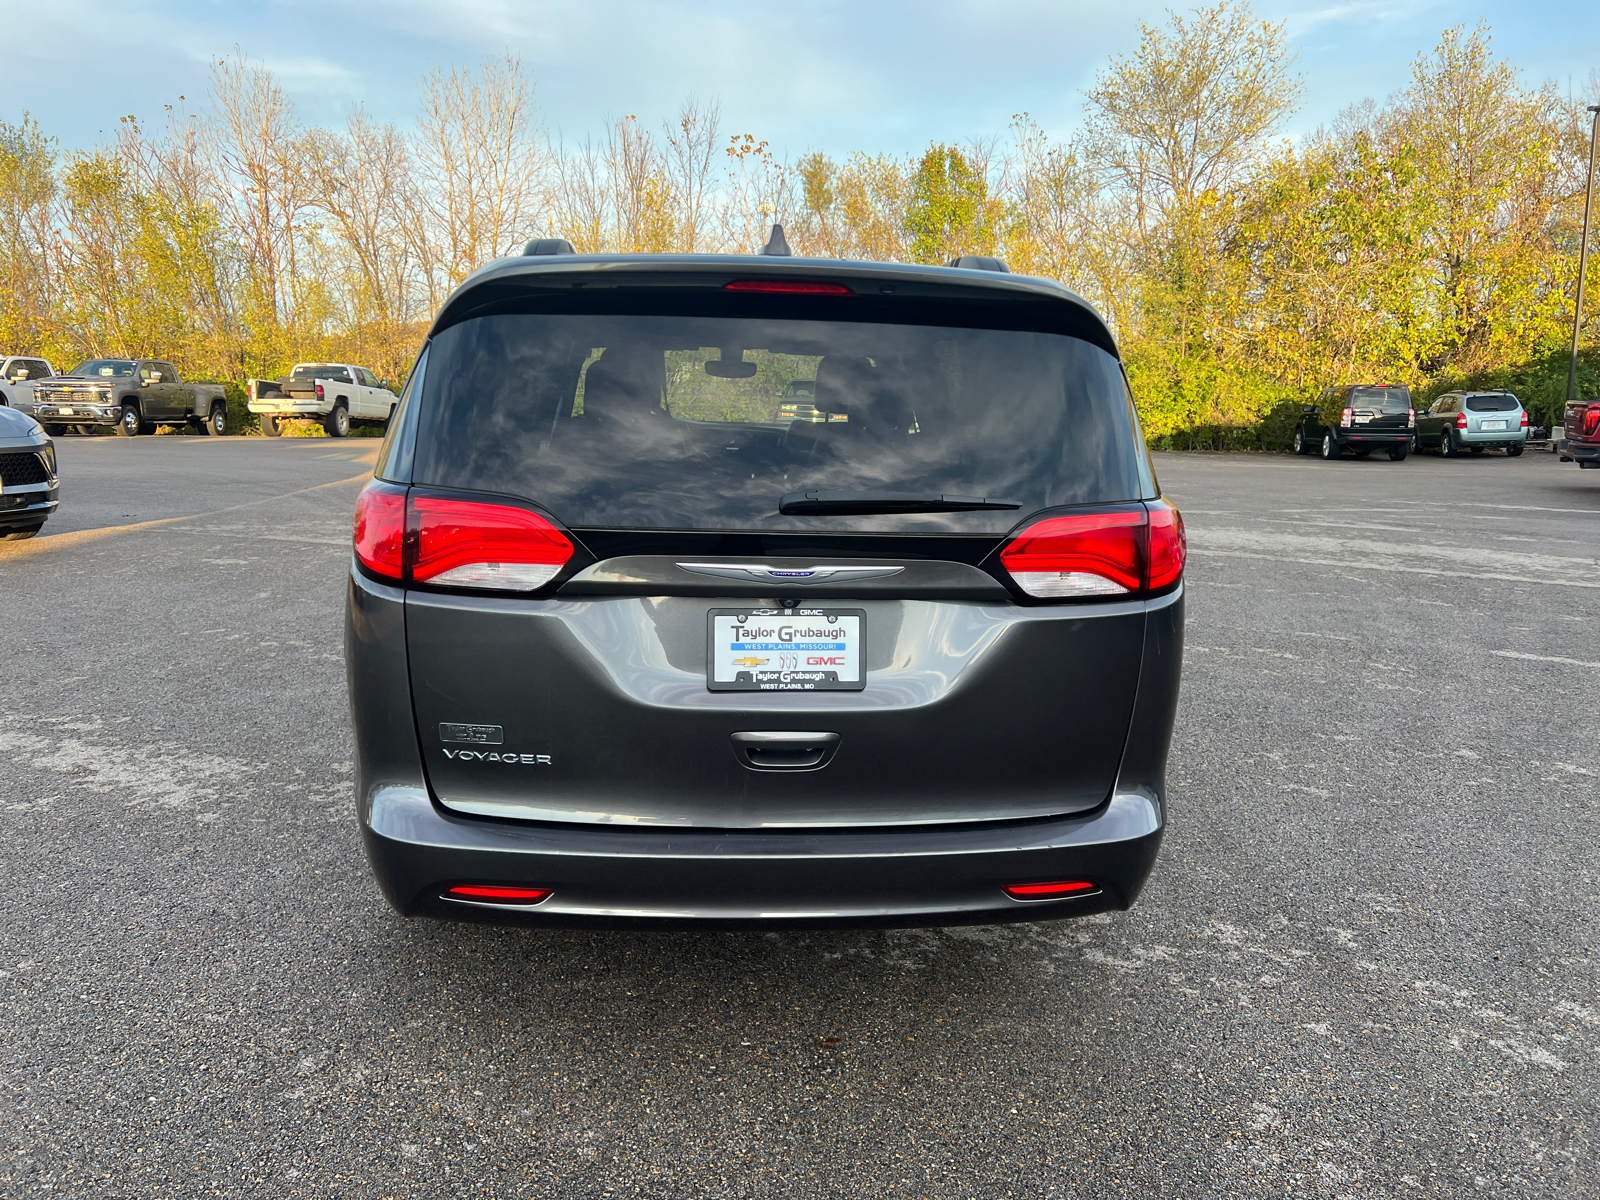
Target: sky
[834, 75]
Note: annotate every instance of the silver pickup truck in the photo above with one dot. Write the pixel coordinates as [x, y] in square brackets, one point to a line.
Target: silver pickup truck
[132, 394]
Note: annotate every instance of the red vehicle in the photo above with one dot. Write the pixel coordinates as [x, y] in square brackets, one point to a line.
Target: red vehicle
[1582, 434]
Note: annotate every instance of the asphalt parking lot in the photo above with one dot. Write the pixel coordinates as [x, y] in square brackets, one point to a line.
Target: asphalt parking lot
[1365, 965]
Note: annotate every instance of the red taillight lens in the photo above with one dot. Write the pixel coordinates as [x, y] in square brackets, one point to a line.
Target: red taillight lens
[319, 391]
[1169, 546]
[1524, 418]
[1349, 416]
[380, 526]
[1461, 421]
[1411, 418]
[1084, 555]
[489, 894]
[793, 287]
[1051, 891]
[1591, 420]
[464, 543]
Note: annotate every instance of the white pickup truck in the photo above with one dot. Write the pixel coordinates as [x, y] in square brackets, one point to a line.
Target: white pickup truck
[18, 376]
[337, 394]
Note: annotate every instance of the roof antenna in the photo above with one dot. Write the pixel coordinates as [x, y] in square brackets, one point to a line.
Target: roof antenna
[777, 243]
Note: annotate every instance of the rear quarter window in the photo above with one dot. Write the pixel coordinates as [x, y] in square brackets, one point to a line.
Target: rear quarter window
[662, 422]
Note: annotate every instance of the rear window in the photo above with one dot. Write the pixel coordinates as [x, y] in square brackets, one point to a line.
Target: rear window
[1498, 403]
[309, 371]
[662, 422]
[1381, 399]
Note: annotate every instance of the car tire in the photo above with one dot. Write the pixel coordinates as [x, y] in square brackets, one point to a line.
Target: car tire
[338, 422]
[1447, 444]
[1516, 448]
[216, 425]
[56, 430]
[1398, 453]
[1330, 448]
[271, 425]
[84, 430]
[20, 535]
[130, 425]
[1300, 446]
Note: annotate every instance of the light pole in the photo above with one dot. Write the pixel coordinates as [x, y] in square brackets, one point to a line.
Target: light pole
[1583, 258]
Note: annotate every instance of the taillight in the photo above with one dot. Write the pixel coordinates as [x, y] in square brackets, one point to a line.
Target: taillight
[380, 526]
[1411, 418]
[1349, 416]
[1524, 418]
[465, 543]
[1591, 420]
[493, 894]
[1169, 547]
[1461, 421]
[1083, 555]
[793, 287]
[319, 391]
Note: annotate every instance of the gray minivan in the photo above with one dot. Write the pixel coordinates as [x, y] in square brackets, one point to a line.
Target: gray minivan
[627, 647]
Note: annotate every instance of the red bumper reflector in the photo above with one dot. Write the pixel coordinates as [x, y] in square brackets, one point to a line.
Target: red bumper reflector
[793, 287]
[1051, 891]
[489, 894]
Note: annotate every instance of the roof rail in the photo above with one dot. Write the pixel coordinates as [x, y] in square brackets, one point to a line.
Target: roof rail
[980, 262]
[548, 246]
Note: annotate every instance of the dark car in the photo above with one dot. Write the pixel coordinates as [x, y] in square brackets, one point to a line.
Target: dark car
[1359, 418]
[1474, 421]
[29, 490]
[627, 647]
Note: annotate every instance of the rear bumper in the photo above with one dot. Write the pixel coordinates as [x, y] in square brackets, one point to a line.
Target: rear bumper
[1578, 451]
[1495, 438]
[1382, 437]
[292, 408]
[613, 878]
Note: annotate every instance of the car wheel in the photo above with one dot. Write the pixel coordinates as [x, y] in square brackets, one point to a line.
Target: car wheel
[20, 535]
[1299, 440]
[271, 425]
[56, 430]
[217, 423]
[130, 425]
[1447, 445]
[1515, 449]
[1398, 453]
[1330, 448]
[338, 422]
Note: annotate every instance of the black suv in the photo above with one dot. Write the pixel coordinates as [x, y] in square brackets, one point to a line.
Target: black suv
[1361, 418]
[627, 645]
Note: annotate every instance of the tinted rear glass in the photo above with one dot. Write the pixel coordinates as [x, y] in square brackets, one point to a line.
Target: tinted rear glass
[695, 422]
[1387, 400]
[1492, 403]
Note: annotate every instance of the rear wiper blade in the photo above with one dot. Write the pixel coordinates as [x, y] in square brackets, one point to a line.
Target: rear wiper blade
[819, 503]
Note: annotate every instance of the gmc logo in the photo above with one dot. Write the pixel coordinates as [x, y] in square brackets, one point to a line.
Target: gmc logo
[821, 660]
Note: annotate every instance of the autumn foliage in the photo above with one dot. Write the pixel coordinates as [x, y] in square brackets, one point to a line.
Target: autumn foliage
[1429, 240]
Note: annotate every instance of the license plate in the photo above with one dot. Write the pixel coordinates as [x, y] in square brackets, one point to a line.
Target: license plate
[1492, 425]
[64, 412]
[1363, 420]
[786, 650]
